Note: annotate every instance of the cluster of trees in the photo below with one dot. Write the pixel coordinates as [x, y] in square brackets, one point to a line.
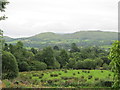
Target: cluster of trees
[21, 59]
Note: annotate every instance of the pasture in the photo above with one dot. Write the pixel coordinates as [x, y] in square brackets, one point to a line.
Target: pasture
[62, 79]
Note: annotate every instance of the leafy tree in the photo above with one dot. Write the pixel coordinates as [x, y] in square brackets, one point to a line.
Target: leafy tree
[9, 66]
[56, 48]
[71, 63]
[106, 59]
[63, 57]
[56, 65]
[19, 45]
[99, 62]
[6, 47]
[105, 66]
[48, 56]
[3, 4]
[12, 48]
[39, 56]
[115, 57]
[23, 66]
[34, 51]
[79, 65]
[89, 64]
[74, 48]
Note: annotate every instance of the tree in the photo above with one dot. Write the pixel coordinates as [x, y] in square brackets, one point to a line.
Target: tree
[56, 65]
[3, 4]
[9, 66]
[89, 64]
[19, 45]
[74, 48]
[48, 56]
[99, 62]
[71, 63]
[105, 66]
[23, 66]
[56, 48]
[6, 48]
[115, 57]
[63, 58]
[79, 65]
[34, 51]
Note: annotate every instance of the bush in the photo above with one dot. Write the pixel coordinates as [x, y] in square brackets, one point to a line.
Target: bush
[96, 79]
[9, 66]
[73, 73]
[23, 66]
[53, 75]
[37, 65]
[89, 77]
[78, 72]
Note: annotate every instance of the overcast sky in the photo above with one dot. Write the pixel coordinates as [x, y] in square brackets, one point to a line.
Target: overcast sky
[30, 17]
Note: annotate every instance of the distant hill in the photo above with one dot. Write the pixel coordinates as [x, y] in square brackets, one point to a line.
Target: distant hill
[81, 38]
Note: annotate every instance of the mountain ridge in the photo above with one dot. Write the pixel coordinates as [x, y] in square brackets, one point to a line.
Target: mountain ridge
[79, 37]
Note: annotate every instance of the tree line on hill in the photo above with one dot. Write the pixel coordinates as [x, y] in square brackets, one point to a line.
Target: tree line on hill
[17, 58]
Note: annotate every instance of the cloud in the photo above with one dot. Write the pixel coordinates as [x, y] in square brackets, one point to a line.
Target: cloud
[29, 17]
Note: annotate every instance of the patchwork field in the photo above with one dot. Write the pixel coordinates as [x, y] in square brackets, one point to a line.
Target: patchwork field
[62, 78]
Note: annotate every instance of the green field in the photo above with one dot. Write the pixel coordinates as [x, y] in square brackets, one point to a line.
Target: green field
[62, 78]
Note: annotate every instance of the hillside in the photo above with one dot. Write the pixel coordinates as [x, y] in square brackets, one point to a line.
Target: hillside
[81, 38]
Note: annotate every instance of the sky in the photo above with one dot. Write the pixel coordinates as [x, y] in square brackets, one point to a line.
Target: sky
[29, 17]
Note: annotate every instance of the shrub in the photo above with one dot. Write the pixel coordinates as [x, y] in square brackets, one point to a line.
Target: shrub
[89, 77]
[78, 72]
[109, 74]
[37, 65]
[82, 77]
[66, 78]
[73, 73]
[49, 81]
[96, 79]
[101, 71]
[88, 71]
[65, 71]
[53, 75]
[59, 73]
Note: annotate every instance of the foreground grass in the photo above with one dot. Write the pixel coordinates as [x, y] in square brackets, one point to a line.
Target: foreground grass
[61, 78]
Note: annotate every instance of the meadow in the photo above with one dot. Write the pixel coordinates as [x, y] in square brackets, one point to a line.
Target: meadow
[61, 78]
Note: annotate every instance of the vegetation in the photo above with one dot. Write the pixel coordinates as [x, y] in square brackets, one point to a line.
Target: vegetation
[81, 39]
[50, 59]
[115, 57]
[62, 78]
[3, 4]
[9, 66]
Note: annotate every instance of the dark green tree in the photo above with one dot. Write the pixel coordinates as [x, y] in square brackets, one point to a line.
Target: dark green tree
[9, 66]
[74, 48]
[71, 63]
[63, 58]
[34, 51]
[6, 47]
[56, 48]
[48, 56]
[23, 66]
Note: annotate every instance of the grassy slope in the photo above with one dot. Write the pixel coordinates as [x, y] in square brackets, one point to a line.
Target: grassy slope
[36, 79]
